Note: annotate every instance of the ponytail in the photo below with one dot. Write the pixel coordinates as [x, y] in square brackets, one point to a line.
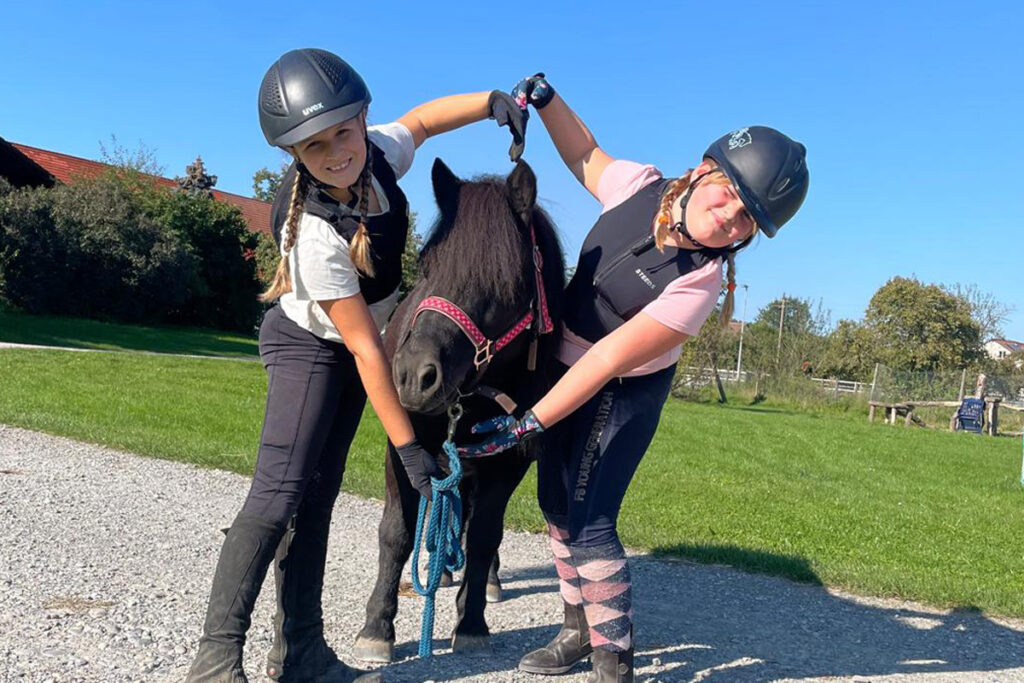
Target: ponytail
[282, 282]
[359, 248]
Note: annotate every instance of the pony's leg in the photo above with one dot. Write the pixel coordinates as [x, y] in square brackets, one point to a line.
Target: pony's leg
[483, 536]
[494, 593]
[376, 641]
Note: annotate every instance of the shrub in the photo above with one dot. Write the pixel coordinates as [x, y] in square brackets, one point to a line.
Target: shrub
[225, 290]
[118, 247]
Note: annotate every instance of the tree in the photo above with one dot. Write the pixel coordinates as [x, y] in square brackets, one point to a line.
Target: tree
[266, 183]
[796, 316]
[802, 339]
[411, 256]
[849, 353]
[987, 311]
[142, 160]
[196, 180]
[922, 327]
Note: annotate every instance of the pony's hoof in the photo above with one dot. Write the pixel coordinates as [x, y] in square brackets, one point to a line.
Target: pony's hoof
[446, 579]
[373, 650]
[465, 644]
[494, 593]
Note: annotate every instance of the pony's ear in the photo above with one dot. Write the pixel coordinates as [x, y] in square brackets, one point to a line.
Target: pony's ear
[446, 186]
[522, 190]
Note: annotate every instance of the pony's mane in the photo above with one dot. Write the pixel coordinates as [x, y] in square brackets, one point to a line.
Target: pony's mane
[494, 263]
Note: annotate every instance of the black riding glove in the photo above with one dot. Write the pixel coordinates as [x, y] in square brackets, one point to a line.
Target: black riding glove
[534, 90]
[503, 109]
[420, 466]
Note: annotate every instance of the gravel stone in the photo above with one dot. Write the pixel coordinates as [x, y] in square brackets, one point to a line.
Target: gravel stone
[107, 558]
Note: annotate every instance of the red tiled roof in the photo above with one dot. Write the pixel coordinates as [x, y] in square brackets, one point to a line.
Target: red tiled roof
[1011, 345]
[67, 168]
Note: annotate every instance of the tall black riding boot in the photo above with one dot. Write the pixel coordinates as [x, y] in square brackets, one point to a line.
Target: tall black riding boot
[611, 667]
[244, 558]
[569, 647]
[299, 652]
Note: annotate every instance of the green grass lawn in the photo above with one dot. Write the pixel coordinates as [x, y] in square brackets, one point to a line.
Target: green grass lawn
[882, 510]
[20, 328]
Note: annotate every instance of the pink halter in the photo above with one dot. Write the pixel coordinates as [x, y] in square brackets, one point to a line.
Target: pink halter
[484, 347]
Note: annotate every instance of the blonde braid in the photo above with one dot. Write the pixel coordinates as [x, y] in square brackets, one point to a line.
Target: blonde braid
[729, 305]
[678, 187]
[359, 249]
[282, 283]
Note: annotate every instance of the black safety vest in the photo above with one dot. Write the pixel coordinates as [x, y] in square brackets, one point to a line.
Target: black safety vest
[388, 231]
[620, 271]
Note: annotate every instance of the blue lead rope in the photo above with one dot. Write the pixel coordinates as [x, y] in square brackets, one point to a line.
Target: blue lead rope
[443, 541]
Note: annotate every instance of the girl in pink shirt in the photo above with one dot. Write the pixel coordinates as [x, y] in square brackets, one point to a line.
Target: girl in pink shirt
[649, 274]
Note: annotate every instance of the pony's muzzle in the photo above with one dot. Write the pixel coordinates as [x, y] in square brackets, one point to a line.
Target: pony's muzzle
[419, 379]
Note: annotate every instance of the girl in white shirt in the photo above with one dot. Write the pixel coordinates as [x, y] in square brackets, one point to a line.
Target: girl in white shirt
[341, 222]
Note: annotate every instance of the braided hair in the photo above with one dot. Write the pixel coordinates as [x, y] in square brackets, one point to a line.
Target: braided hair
[282, 282]
[359, 249]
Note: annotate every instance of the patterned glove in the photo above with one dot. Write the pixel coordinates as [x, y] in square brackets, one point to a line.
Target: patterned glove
[534, 90]
[420, 466]
[503, 109]
[506, 432]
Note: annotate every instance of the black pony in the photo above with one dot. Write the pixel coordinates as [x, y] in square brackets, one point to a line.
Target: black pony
[480, 257]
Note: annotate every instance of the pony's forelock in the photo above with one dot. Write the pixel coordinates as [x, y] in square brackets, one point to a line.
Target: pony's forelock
[466, 261]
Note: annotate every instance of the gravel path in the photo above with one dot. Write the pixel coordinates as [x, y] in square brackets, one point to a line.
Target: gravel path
[106, 561]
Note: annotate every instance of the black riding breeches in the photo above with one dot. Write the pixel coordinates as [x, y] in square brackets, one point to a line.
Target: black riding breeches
[589, 458]
[315, 399]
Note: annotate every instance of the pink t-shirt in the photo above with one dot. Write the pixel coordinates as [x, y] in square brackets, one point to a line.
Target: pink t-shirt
[685, 303]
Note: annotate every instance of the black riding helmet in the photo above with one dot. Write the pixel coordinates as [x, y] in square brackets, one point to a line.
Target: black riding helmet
[768, 169]
[307, 91]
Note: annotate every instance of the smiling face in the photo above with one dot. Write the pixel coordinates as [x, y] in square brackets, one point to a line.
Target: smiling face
[336, 156]
[715, 214]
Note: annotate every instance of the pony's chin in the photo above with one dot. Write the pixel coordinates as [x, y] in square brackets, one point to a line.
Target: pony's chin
[435, 405]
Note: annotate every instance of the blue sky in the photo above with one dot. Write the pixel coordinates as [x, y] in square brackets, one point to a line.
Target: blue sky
[911, 112]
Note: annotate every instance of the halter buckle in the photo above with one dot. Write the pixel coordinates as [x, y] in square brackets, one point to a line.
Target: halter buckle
[483, 355]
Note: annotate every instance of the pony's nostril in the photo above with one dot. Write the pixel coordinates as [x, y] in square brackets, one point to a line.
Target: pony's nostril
[428, 377]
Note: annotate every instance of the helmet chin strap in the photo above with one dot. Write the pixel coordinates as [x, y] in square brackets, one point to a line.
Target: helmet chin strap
[680, 225]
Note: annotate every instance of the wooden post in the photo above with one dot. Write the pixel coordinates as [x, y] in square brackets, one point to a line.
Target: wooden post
[874, 380]
[910, 412]
[718, 380]
[979, 388]
[993, 417]
[782, 316]
[871, 413]
[959, 400]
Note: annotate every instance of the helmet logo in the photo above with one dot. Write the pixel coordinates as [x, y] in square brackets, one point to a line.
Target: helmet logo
[309, 110]
[739, 138]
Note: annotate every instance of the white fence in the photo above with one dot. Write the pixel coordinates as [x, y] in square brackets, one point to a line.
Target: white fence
[695, 376]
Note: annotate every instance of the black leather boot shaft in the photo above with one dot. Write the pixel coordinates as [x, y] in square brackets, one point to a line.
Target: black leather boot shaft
[241, 568]
[570, 647]
[300, 653]
[611, 667]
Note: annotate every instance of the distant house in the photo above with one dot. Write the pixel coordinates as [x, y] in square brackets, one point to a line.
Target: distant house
[25, 166]
[1001, 348]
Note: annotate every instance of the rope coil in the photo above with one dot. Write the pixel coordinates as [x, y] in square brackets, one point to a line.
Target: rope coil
[443, 537]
